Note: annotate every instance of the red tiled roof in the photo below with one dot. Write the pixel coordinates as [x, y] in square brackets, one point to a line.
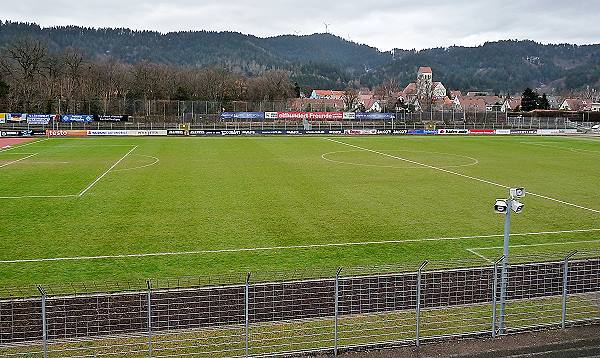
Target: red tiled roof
[425, 69]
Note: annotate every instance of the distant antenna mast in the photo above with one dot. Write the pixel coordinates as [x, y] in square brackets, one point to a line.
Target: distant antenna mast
[326, 27]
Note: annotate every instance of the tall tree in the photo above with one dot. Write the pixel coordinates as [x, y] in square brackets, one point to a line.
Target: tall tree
[350, 98]
[529, 101]
[543, 102]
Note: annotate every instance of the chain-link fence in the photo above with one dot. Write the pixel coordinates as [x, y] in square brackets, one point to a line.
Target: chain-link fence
[264, 314]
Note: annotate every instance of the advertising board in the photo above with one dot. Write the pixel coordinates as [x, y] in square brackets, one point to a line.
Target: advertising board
[66, 133]
[482, 131]
[39, 119]
[453, 131]
[311, 115]
[556, 131]
[2, 118]
[242, 115]
[77, 118]
[375, 116]
[106, 118]
[16, 117]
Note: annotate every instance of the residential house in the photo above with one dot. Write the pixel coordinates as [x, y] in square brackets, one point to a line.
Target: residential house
[326, 94]
[511, 104]
[470, 104]
[573, 104]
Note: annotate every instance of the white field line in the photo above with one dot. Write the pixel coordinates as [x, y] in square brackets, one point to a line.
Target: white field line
[325, 157]
[293, 247]
[106, 172]
[39, 196]
[474, 250]
[156, 160]
[534, 245]
[569, 149]
[91, 145]
[24, 145]
[462, 175]
[479, 255]
[18, 160]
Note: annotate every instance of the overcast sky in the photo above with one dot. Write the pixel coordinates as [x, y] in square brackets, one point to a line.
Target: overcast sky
[385, 24]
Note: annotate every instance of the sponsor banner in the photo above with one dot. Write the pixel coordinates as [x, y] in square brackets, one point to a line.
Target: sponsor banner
[523, 131]
[156, 132]
[453, 131]
[556, 131]
[422, 131]
[349, 115]
[271, 115]
[161, 132]
[313, 132]
[76, 118]
[107, 132]
[502, 131]
[375, 116]
[123, 118]
[311, 115]
[16, 117]
[38, 132]
[242, 115]
[482, 131]
[66, 133]
[11, 133]
[2, 118]
[39, 119]
[177, 132]
[361, 131]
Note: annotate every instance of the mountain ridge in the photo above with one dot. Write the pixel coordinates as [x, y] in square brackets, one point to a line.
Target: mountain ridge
[329, 61]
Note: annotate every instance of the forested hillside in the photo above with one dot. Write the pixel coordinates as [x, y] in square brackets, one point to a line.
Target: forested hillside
[328, 61]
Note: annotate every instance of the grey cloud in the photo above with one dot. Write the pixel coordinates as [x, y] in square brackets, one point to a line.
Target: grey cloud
[385, 24]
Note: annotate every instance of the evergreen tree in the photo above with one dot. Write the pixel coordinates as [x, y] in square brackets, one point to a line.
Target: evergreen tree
[543, 102]
[530, 100]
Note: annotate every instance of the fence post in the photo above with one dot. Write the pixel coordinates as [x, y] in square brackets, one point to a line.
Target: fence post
[149, 315]
[336, 311]
[247, 314]
[44, 321]
[494, 293]
[418, 328]
[565, 289]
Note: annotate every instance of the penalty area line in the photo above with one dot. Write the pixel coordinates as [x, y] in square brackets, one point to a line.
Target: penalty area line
[460, 175]
[293, 247]
[16, 161]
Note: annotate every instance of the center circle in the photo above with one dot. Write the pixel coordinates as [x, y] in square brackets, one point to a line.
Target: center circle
[411, 159]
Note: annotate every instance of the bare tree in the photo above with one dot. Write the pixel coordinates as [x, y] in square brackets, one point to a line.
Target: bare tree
[350, 98]
[26, 58]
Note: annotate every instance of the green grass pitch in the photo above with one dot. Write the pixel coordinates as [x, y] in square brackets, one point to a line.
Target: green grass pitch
[202, 206]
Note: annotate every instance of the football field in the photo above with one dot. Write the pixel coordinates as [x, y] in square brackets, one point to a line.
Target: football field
[110, 209]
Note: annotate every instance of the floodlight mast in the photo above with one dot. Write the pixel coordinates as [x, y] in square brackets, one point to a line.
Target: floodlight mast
[514, 195]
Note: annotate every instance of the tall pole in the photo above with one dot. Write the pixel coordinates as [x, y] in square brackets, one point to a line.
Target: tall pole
[504, 281]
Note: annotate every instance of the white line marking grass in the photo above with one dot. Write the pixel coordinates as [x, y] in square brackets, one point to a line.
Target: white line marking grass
[39, 196]
[17, 161]
[461, 175]
[475, 250]
[293, 247]
[156, 160]
[106, 172]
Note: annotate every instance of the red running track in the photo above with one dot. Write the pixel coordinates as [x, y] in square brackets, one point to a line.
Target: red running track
[13, 141]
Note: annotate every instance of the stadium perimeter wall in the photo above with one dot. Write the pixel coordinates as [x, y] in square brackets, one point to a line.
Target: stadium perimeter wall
[222, 132]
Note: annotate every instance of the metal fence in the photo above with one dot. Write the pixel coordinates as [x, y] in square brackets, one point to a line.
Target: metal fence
[263, 315]
[213, 122]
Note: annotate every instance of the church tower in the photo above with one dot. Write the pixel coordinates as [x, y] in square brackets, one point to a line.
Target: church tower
[425, 84]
